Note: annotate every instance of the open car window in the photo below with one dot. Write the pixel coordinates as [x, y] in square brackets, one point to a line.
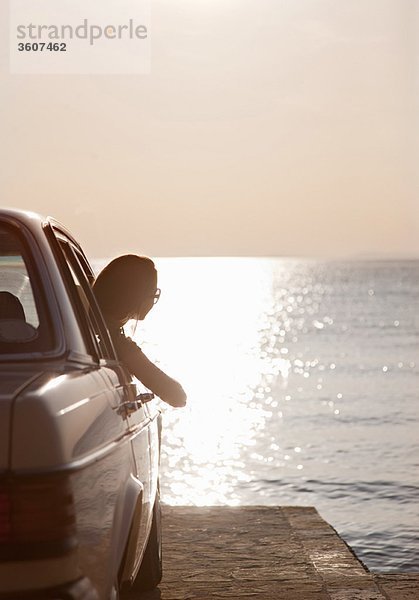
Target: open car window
[23, 324]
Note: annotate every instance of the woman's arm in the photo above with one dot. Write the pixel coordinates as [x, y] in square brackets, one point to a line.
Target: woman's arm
[152, 377]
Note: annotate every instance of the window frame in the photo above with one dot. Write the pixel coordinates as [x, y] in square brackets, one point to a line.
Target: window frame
[91, 323]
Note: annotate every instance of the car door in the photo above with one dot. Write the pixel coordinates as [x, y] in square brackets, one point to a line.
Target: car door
[124, 390]
[140, 428]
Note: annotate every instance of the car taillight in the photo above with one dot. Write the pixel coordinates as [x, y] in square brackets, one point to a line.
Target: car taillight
[36, 517]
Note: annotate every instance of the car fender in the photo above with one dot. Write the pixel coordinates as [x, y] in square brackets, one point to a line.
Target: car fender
[125, 530]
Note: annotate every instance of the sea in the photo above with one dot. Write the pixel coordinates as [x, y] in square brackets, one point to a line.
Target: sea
[303, 389]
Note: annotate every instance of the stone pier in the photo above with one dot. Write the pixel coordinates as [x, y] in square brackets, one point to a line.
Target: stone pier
[281, 553]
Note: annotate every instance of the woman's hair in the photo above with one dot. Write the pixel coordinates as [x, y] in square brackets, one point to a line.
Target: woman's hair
[122, 285]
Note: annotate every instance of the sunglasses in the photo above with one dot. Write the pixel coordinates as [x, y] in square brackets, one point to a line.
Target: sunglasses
[156, 295]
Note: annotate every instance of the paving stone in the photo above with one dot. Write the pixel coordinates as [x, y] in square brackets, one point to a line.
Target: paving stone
[354, 594]
[399, 586]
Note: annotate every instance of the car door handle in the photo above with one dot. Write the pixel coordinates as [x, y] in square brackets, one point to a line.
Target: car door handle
[127, 408]
[146, 397]
[130, 406]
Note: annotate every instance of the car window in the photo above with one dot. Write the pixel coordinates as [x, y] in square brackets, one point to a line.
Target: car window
[94, 330]
[24, 326]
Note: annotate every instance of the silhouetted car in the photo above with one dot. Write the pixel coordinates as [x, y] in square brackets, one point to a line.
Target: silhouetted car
[79, 447]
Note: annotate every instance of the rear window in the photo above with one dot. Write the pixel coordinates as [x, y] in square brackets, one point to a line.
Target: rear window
[23, 323]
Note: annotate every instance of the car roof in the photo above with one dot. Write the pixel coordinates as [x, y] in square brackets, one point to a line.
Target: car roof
[24, 216]
[35, 222]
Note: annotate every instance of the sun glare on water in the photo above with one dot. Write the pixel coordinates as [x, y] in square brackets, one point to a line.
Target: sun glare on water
[212, 344]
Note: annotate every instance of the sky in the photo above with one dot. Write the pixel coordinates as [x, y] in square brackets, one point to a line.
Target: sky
[264, 128]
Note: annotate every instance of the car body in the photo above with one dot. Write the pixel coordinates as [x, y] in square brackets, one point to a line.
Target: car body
[79, 450]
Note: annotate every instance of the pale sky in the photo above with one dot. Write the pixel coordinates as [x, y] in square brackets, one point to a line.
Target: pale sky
[266, 127]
